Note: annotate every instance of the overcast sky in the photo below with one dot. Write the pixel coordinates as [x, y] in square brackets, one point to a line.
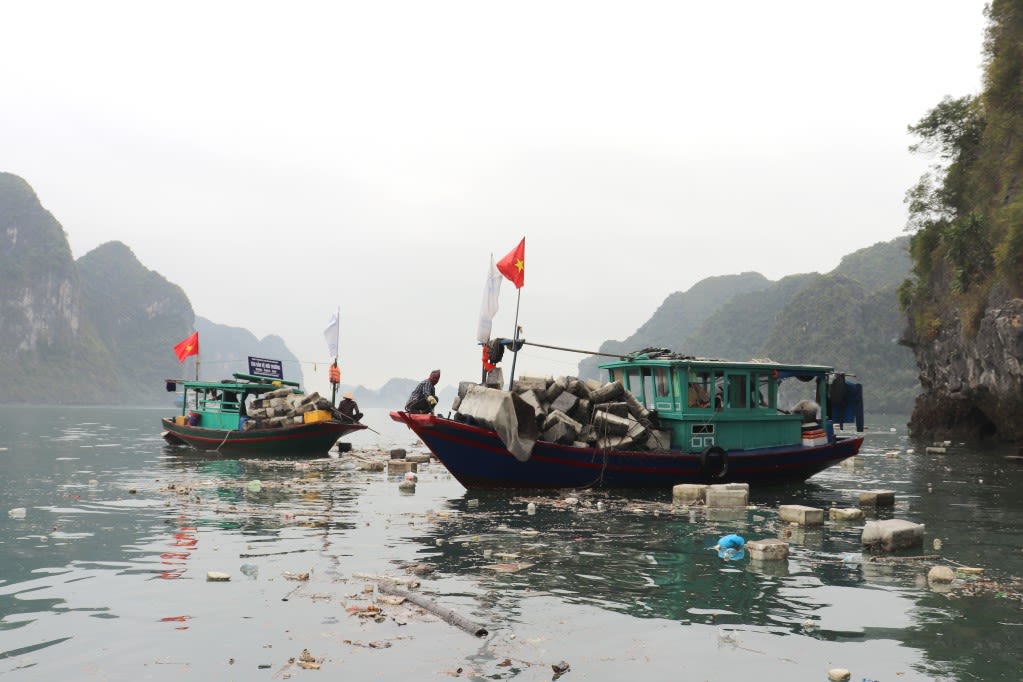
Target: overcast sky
[374, 154]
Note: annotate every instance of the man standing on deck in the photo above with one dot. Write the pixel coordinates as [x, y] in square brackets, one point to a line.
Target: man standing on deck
[424, 396]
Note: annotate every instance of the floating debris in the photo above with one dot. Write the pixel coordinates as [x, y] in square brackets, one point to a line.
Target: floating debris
[510, 567]
[731, 547]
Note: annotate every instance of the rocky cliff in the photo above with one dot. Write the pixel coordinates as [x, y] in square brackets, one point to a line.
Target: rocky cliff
[965, 300]
[970, 371]
[136, 315]
[40, 300]
[99, 330]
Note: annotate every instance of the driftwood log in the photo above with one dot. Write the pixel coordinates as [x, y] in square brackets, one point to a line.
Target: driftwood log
[449, 616]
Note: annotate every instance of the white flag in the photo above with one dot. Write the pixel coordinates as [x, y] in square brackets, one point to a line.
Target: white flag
[330, 334]
[488, 308]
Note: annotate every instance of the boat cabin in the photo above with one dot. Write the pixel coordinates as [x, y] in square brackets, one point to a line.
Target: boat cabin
[221, 404]
[703, 402]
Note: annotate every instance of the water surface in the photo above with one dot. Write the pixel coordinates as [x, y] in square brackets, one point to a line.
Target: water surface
[105, 575]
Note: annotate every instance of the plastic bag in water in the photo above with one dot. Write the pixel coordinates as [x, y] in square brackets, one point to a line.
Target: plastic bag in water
[731, 547]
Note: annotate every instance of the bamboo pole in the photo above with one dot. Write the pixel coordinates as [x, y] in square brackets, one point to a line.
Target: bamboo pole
[515, 340]
[449, 616]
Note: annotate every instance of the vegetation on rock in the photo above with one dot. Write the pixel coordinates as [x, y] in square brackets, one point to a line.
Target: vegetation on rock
[966, 221]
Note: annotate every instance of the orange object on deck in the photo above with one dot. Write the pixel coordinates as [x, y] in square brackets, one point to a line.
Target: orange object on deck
[335, 374]
[487, 364]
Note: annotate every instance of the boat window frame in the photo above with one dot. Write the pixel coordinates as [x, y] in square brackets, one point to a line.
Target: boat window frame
[763, 390]
[637, 391]
[693, 383]
[737, 390]
[218, 404]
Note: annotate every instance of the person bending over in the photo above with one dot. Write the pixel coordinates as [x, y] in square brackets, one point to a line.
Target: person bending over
[424, 396]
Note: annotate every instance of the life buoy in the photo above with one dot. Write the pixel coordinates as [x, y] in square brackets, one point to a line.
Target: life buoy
[714, 461]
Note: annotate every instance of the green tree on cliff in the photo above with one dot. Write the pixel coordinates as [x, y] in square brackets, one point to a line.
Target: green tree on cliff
[966, 214]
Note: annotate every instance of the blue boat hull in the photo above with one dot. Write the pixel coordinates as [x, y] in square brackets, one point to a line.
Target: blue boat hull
[477, 458]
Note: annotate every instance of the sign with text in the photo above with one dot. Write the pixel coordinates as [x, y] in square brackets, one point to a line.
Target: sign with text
[264, 367]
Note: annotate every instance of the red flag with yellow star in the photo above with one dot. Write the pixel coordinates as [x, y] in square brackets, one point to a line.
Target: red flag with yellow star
[189, 346]
[513, 266]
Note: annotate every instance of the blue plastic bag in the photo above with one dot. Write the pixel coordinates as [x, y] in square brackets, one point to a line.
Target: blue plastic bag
[731, 547]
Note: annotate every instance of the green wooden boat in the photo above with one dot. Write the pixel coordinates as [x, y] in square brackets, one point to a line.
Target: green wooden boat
[255, 416]
[706, 421]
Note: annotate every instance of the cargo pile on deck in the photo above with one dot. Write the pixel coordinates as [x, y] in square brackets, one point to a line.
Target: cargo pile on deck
[284, 407]
[582, 412]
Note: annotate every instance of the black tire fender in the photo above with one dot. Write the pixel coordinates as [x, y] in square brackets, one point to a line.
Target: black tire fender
[714, 461]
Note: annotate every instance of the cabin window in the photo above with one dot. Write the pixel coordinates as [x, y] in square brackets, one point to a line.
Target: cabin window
[634, 382]
[760, 396]
[719, 390]
[663, 386]
[699, 389]
[618, 375]
[229, 402]
[210, 400]
[648, 390]
[738, 394]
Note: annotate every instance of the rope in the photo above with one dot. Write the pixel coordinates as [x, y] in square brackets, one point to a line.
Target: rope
[226, 436]
[620, 356]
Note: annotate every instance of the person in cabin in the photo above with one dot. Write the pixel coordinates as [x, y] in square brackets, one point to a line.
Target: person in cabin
[698, 396]
[348, 407]
[424, 395]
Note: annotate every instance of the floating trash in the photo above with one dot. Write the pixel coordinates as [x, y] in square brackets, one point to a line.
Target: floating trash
[17, 513]
[731, 547]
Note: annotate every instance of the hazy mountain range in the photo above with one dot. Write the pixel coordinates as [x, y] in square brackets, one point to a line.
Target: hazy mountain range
[99, 329]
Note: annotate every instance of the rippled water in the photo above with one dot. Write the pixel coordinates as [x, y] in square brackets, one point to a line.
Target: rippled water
[104, 576]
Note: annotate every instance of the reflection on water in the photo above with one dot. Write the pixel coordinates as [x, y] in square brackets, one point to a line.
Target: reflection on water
[120, 532]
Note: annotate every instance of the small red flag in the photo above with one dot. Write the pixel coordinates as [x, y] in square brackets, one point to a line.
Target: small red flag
[513, 266]
[189, 346]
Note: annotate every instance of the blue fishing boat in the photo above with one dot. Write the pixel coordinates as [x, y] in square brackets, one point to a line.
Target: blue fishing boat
[660, 419]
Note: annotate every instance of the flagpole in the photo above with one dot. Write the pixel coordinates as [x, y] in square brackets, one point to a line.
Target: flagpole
[337, 341]
[515, 342]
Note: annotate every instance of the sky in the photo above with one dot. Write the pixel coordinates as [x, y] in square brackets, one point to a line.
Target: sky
[281, 160]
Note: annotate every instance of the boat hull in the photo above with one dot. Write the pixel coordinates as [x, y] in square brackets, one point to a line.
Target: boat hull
[477, 458]
[316, 438]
